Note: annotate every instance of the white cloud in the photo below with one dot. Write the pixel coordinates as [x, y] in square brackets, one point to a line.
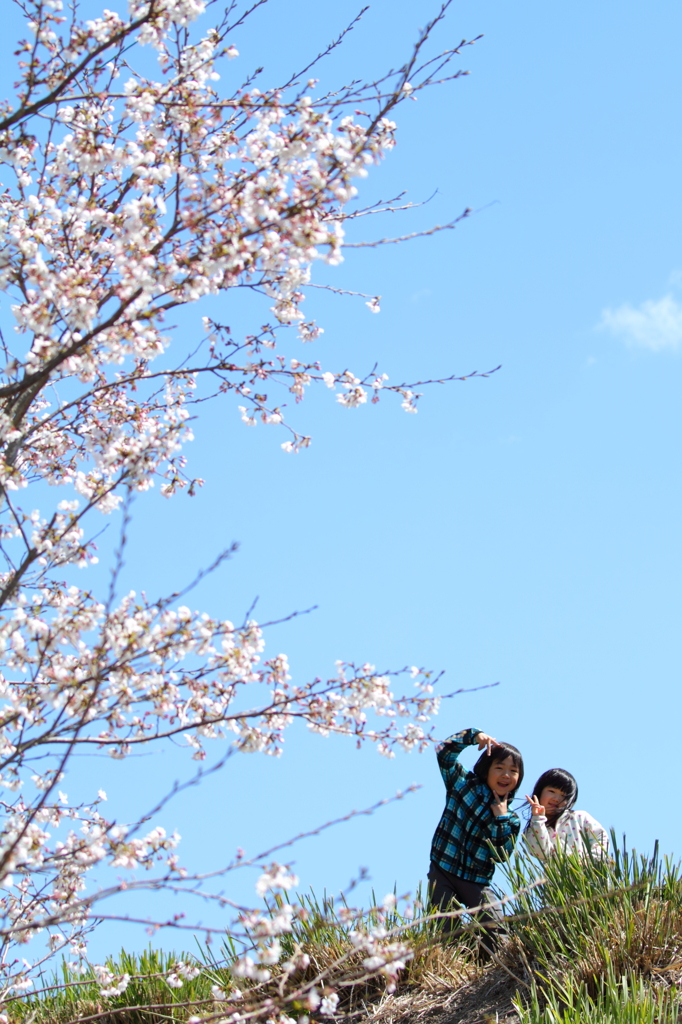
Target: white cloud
[653, 325]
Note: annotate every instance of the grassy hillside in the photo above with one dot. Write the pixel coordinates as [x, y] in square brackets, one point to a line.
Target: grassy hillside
[582, 942]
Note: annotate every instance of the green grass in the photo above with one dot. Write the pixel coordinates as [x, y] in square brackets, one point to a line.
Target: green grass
[323, 935]
[68, 997]
[626, 1000]
[586, 942]
[589, 918]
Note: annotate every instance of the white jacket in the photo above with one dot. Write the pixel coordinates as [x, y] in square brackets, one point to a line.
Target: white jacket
[575, 830]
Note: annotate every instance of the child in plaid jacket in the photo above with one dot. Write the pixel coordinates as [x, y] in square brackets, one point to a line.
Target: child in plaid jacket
[476, 829]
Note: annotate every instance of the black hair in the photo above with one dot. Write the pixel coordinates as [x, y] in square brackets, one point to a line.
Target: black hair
[500, 752]
[557, 778]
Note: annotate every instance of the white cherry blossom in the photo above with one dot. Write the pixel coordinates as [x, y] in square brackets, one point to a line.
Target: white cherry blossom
[132, 187]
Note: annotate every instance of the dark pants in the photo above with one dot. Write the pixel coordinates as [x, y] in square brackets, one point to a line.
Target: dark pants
[445, 887]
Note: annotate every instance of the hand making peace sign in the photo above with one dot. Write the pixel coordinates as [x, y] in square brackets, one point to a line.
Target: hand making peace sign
[535, 806]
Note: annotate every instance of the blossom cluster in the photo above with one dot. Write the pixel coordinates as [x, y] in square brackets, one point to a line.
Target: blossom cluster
[285, 976]
[125, 196]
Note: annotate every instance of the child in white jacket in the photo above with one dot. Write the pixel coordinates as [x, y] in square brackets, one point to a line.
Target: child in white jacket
[555, 825]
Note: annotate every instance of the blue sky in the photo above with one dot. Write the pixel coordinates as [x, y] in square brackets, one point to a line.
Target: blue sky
[523, 529]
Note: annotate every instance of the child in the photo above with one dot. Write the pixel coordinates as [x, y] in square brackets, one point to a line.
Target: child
[476, 829]
[555, 825]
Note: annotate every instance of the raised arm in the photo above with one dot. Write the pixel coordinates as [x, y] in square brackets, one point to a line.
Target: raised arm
[449, 751]
[537, 839]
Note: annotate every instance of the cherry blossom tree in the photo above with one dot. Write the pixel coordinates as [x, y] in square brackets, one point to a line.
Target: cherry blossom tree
[136, 181]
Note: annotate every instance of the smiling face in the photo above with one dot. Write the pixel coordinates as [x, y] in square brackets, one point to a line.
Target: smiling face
[503, 776]
[553, 800]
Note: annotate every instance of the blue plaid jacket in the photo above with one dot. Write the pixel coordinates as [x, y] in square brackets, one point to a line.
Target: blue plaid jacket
[469, 839]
